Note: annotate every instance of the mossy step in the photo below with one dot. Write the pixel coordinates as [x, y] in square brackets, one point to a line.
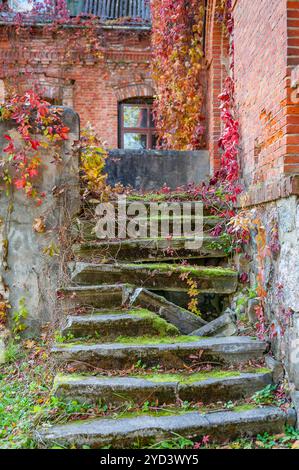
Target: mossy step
[86, 229]
[107, 327]
[146, 429]
[119, 296]
[202, 387]
[149, 249]
[119, 356]
[155, 276]
[148, 199]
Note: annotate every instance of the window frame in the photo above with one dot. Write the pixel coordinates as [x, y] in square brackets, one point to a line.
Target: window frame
[148, 131]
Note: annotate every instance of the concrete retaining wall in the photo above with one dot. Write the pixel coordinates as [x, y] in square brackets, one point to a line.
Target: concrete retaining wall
[151, 169]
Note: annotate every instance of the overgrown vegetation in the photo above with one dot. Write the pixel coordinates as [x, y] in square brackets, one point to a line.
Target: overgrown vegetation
[177, 35]
[38, 130]
[26, 402]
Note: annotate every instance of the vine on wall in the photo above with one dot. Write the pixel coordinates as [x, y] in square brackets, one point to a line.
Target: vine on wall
[39, 128]
[177, 34]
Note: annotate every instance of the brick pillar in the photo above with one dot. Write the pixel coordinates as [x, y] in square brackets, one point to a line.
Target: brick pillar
[217, 56]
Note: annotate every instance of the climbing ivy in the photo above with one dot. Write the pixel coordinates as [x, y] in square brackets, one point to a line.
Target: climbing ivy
[39, 129]
[177, 35]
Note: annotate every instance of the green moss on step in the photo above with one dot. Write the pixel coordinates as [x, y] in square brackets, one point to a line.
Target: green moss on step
[199, 376]
[164, 377]
[196, 271]
[157, 413]
[192, 378]
[244, 407]
[162, 327]
[153, 197]
[140, 340]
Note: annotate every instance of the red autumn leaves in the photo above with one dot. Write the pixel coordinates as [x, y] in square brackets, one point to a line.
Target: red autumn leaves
[39, 128]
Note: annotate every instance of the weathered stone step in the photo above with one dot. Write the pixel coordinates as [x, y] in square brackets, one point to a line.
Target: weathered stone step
[147, 249]
[157, 276]
[86, 229]
[200, 387]
[127, 296]
[107, 327]
[174, 353]
[147, 201]
[145, 430]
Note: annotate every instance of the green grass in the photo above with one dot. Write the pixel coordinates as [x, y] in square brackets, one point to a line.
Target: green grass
[287, 440]
[26, 401]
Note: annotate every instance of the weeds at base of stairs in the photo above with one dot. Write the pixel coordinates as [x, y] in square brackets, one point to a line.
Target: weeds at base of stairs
[26, 401]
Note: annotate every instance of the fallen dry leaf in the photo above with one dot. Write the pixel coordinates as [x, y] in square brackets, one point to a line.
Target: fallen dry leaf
[295, 445]
[39, 225]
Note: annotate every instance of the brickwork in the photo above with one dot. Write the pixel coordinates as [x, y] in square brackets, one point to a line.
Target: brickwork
[93, 87]
[267, 100]
[216, 52]
[260, 74]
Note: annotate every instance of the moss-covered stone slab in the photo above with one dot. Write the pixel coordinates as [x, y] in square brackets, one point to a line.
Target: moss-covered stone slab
[118, 356]
[147, 249]
[203, 388]
[125, 296]
[85, 229]
[156, 276]
[107, 327]
[144, 430]
[184, 320]
[114, 390]
[121, 296]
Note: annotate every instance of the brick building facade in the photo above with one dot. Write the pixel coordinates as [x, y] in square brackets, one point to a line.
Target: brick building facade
[266, 74]
[94, 85]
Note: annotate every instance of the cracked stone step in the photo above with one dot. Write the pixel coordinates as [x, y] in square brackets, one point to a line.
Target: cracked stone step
[86, 229]
[118, 296]
[201, 387]
[170, 353]
[167, 277]
[145, 430]
[147, 249]
[107, 327]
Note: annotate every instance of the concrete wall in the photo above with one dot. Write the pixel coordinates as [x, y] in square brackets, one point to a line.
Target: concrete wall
[26, 271]
[148, 169]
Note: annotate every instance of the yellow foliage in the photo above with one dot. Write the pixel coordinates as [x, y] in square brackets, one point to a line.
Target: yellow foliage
[93, 157]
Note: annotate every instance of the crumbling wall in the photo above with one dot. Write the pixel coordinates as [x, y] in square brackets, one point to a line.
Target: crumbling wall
[31, 263]
[278, 264]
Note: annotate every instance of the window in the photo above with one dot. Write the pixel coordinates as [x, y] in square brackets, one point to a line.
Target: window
[137, 127]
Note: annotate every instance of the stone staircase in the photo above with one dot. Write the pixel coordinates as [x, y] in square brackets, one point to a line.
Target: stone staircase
[130, 348]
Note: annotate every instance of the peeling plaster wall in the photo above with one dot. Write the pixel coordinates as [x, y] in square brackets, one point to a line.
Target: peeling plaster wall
[281, 279]
[26, 271]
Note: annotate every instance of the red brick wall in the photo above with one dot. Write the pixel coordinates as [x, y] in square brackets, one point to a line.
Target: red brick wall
[291, 161]
[216, 53]
[92, 87]
[260, 75]
[266, 51]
